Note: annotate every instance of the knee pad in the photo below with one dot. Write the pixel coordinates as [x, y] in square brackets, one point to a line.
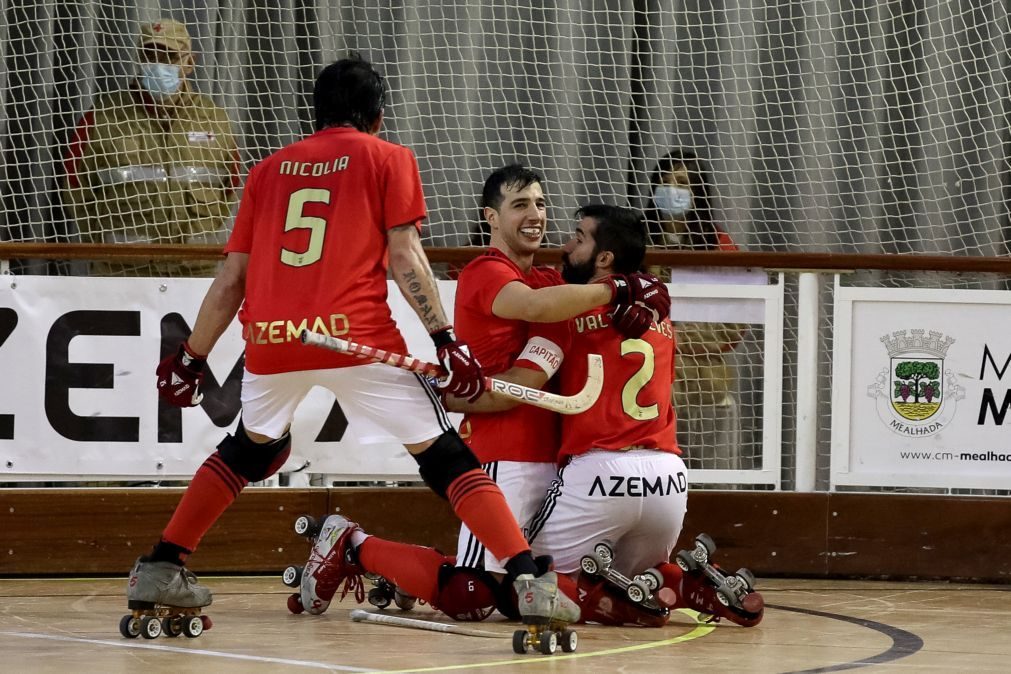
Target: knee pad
[465, 593]
[448, 458]
[252, 460]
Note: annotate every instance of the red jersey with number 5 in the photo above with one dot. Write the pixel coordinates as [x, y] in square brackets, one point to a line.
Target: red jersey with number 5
[314, 218]
[634, 408]
[524, 433]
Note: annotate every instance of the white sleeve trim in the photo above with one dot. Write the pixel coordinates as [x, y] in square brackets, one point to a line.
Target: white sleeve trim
[543, 353]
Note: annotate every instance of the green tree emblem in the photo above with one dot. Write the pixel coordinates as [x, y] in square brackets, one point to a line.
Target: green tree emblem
[918, 378]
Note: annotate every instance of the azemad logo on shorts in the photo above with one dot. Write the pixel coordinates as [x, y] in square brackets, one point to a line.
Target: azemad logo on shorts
[915, 395]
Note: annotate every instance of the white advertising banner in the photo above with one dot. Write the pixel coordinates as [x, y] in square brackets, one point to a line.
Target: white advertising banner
[921, 393]
[77, 358]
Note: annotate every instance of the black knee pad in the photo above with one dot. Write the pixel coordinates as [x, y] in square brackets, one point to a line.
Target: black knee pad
[466, 593]
[252, 460]
[448, 458]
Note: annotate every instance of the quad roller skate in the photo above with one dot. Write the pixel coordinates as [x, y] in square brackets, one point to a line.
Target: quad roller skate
[547, 613]
[639, 589]
[736, 598]
[164, 598]
[384, 593]
[330, 563]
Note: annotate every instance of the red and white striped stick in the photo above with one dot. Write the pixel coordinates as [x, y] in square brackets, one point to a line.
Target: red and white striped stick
[574, 404]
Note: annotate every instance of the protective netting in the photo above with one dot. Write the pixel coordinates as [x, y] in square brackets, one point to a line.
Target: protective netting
[845, 126]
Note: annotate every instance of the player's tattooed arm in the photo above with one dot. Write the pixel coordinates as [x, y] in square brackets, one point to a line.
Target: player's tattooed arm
[413, 275]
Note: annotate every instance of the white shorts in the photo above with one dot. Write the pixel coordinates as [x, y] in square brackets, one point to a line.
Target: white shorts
[379, 402]
[635, 499]
[524, 485]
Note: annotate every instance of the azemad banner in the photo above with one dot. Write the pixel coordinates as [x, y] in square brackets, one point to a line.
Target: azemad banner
[922, 388]
[77, 357]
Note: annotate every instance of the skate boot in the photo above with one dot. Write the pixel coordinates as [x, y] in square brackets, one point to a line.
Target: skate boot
[384, 593]
[638, 589]
[707, 589]
[164, 598]
[547, 612]
[331, 562]
[604, 603]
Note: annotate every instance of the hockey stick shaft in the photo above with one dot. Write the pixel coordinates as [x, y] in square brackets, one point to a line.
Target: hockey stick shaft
[358, 615]
[574, 404]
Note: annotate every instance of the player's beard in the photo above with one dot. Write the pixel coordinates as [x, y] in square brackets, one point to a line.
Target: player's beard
[577, 274]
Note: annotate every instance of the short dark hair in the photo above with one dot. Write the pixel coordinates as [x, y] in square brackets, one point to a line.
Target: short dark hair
[621, 231]
[349, 91]
[516, 176]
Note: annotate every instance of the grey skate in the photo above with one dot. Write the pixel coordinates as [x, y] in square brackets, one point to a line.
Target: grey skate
[164, 598]
[547, 613]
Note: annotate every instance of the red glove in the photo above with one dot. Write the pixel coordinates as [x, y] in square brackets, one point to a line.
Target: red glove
[642, 289]
[464, 377]
[179, 377]
[631, 320]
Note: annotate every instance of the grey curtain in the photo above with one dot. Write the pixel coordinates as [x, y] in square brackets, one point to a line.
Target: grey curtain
[841, 125]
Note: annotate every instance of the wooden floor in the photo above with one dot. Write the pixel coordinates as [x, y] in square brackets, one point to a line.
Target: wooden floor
[811, 626]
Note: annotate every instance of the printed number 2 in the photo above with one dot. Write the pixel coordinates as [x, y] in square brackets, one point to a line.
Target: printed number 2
[296, 219]
[630, 392]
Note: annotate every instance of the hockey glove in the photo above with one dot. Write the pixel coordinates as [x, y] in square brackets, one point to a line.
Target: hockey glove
[179, 377]
[464, 378]
[641, 289]
[631, 320]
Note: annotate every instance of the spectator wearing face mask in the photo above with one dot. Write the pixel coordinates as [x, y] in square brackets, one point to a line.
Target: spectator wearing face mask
[153, 163]
[680, 216]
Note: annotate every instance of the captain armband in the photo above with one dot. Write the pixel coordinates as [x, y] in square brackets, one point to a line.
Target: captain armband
[543, 353]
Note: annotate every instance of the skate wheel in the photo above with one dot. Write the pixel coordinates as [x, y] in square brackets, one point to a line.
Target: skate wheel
[379, 598]
[150, 627]
[549, 643]
[604, 552]
[637, 592]
[129, 627]
[705, 542]
[307, 526]
[687, 561]
[292, 576]
[521, 641]
[404, 602]
[723, 597]
[295, 603]
[589, 565]
[171, 627]
[568, 641]
[206, 621]
[747, 577]
[652, 579]
[193, 626]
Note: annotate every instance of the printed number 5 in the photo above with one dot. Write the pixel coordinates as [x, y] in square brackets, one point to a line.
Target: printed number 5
[630, 392]
[297, 220]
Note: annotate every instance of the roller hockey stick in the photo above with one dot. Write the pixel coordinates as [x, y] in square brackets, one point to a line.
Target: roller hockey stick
[574, 404]
[358, 615]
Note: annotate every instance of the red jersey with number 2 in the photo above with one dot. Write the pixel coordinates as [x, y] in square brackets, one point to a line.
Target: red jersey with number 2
[524, 433]
[314, 218]
[634, 408]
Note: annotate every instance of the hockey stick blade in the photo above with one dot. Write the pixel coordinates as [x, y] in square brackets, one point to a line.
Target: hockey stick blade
[358, 615]
[574, 404]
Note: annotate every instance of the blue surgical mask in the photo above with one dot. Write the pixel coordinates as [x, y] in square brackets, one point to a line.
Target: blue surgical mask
[160, 79]
[673, 201]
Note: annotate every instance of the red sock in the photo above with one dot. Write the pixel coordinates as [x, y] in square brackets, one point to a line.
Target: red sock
[479, 503]
[212, 490]
[412, 568]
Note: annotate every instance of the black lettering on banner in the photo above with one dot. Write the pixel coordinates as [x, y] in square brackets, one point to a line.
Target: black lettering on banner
[221, 402]
[8, 321]
[989, 403]
[987, 356]
[62, 376]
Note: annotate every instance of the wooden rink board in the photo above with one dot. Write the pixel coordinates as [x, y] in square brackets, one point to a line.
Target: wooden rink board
[101, 531]
[61, 625]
